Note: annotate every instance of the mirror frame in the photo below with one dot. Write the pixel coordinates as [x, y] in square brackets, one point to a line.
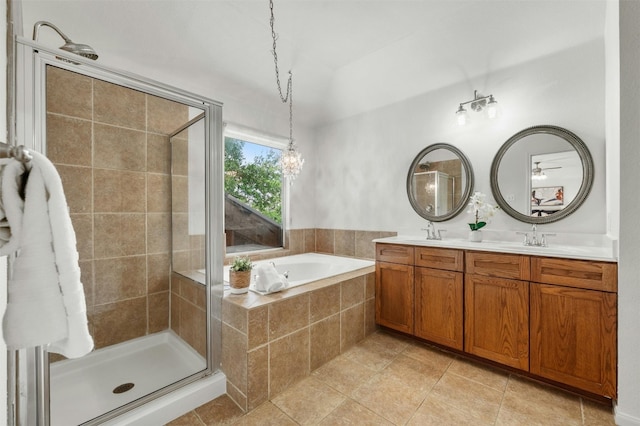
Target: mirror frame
[466, 193]
[587, 173]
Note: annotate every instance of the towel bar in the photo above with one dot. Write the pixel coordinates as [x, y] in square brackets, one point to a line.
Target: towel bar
[20, 153]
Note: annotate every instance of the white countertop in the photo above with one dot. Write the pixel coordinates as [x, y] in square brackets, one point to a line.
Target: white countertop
[566, 251]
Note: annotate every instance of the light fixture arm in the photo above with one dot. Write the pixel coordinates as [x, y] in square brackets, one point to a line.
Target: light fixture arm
[478, 102]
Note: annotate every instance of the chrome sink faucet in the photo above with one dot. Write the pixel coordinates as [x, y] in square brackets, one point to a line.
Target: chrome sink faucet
[432, 233]
[533, 239]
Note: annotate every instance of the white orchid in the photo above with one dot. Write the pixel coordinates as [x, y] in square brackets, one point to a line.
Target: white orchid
[481, 210]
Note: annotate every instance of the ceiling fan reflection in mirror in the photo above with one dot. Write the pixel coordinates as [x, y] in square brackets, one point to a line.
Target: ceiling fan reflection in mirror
[537, 172]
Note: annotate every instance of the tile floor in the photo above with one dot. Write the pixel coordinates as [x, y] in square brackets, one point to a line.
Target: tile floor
[391, 380]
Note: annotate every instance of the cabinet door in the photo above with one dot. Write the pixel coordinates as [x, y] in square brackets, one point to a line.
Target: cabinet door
[438, 301]
[573, 337]
[497, 319]
[394, 296]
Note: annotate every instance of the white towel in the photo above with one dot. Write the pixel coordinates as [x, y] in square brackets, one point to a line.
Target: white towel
[268, 280]
[12, 206]
[46, 303]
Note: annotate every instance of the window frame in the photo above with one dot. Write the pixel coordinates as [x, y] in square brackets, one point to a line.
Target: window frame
[258, 137]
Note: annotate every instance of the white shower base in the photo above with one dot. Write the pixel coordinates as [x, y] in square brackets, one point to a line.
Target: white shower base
[82, 389]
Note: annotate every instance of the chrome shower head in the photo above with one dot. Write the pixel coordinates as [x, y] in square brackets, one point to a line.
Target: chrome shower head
[69, 46]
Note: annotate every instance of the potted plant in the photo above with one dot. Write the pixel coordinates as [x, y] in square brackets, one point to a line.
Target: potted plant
[482, 211]
[240, 274]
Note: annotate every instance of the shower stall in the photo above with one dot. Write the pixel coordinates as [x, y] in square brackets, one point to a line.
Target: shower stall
[141, 166]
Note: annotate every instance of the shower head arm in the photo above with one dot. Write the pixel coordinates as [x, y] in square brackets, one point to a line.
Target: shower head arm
[69, 46]
[39, 24]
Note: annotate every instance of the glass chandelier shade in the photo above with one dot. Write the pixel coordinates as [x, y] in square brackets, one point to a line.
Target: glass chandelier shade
[291, 161]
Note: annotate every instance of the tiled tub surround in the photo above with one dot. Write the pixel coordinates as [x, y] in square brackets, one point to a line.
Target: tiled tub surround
[270, 342]
[341, 242]
[110, 145]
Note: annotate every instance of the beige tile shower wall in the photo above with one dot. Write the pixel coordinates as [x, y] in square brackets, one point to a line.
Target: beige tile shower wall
[268, 347]
[111, 148]
[189, 312]
[188, 250]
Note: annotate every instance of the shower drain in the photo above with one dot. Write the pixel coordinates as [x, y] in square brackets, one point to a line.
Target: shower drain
[123, 388]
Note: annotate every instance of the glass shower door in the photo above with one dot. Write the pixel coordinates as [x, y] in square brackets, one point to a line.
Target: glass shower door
[133, 173]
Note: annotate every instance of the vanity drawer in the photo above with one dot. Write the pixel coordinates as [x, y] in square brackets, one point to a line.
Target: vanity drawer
[394, 253]
[585, 274]
[513, 266]
[440, 258]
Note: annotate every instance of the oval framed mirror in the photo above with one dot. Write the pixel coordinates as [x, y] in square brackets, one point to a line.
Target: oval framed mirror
[542, 174]
[439, 182]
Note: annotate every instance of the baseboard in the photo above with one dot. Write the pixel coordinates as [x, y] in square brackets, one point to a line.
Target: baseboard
[623, 419]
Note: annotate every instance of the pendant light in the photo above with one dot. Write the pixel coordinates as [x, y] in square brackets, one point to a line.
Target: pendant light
[291, 160]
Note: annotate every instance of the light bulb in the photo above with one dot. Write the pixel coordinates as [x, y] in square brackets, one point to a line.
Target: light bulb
[492, 108]
[462, 116]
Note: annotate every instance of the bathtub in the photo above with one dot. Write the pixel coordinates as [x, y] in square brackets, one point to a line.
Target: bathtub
[309, 267]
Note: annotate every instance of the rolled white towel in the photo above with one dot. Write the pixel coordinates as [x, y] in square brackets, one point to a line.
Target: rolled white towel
[268, 280]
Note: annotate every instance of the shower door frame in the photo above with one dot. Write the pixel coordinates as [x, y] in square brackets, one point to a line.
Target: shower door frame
[30, 130]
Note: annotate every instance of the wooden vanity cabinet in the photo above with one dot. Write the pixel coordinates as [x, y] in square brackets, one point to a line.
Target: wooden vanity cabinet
[439, 296]
[419, 291]
[395, 287]
[573, 325]
[496, 307]
[553, 317]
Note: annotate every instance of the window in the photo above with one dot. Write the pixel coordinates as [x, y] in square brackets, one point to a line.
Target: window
[254, 192]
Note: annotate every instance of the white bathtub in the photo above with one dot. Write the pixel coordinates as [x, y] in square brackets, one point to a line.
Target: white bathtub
[309, 267]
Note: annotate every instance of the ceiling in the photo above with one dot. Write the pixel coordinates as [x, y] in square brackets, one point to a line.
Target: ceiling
[347, 56]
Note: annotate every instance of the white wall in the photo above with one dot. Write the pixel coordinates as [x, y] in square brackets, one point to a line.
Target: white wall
[628, 409]
[3, 261]
[612, 114]
[362, 162]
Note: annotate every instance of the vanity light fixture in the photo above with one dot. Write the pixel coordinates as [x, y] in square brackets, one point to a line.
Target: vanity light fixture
[478, 103]
[291, 160]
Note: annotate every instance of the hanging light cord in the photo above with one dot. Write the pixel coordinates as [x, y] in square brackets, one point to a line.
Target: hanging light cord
[289, 96]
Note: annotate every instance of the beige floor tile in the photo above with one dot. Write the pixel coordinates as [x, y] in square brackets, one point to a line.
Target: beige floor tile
[429, 355]
[343, 374]
[435, 412]
[479, 373]
[597, 414]
[266, 414]
[413, 373]
[189, 419]
[393, 342]
[390, 398]
[351, 413]
[377, 351]
[308, 401]
[220, 411]
[527, 402]
[479, 401]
